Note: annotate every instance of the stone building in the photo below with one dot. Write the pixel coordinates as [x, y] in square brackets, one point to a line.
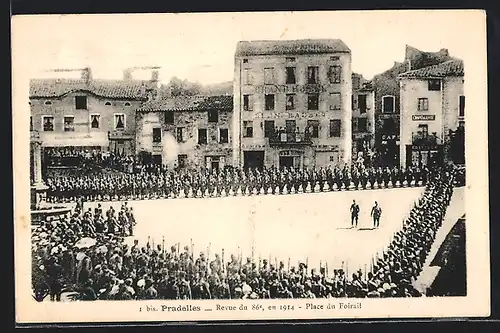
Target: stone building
[363, 116]
[186, 132]
[387, 100]
[87, 114]
[432, 104]
[292, 103]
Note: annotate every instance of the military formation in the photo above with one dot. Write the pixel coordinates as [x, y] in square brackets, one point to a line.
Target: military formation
[154, 183]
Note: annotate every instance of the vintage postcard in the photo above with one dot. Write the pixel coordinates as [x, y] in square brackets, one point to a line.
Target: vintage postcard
[250, 166]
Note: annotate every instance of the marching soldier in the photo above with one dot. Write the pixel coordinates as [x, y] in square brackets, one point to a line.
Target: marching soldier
[354, 213]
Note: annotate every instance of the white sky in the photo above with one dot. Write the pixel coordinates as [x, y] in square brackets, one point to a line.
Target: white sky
[200, 47]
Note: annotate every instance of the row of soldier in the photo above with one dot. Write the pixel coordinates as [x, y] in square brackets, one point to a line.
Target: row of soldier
[228, 182]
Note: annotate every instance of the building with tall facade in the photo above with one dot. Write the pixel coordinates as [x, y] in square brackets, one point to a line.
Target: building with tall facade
[363, 116]
[292, 103]
[387, 100]
[432, 105]
[185, 132]
[88, 113]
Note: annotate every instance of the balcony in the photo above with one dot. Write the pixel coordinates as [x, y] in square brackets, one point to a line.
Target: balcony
[280, 139]
[424, 139]
[120, 135]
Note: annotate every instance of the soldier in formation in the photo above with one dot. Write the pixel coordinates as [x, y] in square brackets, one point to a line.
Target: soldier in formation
[162, 183]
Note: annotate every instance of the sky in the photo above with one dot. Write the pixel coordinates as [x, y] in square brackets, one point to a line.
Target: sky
[200, 47]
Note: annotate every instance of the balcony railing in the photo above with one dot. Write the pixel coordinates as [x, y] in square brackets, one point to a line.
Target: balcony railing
[422, 139]
[282, 139]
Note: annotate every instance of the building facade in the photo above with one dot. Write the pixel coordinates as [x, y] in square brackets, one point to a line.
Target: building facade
[432, 105]
[292, 103]
[387, 101]
[87, 114]
[363, 117]
[186, 132]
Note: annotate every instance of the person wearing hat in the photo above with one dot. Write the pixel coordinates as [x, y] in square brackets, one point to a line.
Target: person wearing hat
[354, 209]
[376, 213]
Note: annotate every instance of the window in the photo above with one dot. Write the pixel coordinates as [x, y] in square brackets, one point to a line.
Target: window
[290, 59]
[313, 128]
[389, 127]
[312, 75]
[335, 58]
[156, 135]
[353, 102]
[434, 85]
[48, 103]
[247, 103]
[362, 125]
[268, 128]
[81, 102]
[268, 75]
[335, 102]
[213, 116]
[335, 74]
[107, 103]
[355, 125]
[202, 136]
[388, 104]
[180, 134]
[423, 130]
[248, 129]
[69, 123]
[461, 106]
[269, 102]
[169, 118]
[247, 78]
[182, 160]
[127, 104]
[119, 121]
[223, 135]
[362, 103]
[48, 123]
[31, 123]
[290, 101]
[335, 128]
[423, 104]
[313, 101]
[245, 61]
[94, 121]
[290, 75]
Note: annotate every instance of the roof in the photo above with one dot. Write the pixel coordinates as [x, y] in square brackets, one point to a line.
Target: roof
[190, 103]
[445, 69]
[291, 47]
[117, 89]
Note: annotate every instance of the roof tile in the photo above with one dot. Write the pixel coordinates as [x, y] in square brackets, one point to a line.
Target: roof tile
[191, 103]
[291, 47]
[119, 89]
[447, 68]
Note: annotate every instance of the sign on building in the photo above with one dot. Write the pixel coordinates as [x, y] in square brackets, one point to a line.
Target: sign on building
[423, 117]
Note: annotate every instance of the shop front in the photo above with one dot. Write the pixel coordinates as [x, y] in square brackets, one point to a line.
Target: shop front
[424, 155]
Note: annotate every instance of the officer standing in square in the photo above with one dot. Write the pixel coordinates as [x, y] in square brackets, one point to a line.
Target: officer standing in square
[354, 214]
[376, 213]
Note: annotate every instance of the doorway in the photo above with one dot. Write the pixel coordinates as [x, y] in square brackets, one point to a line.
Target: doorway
[215, 166]
[286, 162]
[157, 159]
[253, 159]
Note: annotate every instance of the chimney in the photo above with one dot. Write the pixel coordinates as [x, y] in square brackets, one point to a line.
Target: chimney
[127, 74]
[409, 65]
[444, 52]
[86, 74]
[155, 76]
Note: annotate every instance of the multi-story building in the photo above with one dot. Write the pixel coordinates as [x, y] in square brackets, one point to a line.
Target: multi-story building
[87, 113]
[432, 104]
[363, 116]
[292, 103]
[387, 100]
[189, 132]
